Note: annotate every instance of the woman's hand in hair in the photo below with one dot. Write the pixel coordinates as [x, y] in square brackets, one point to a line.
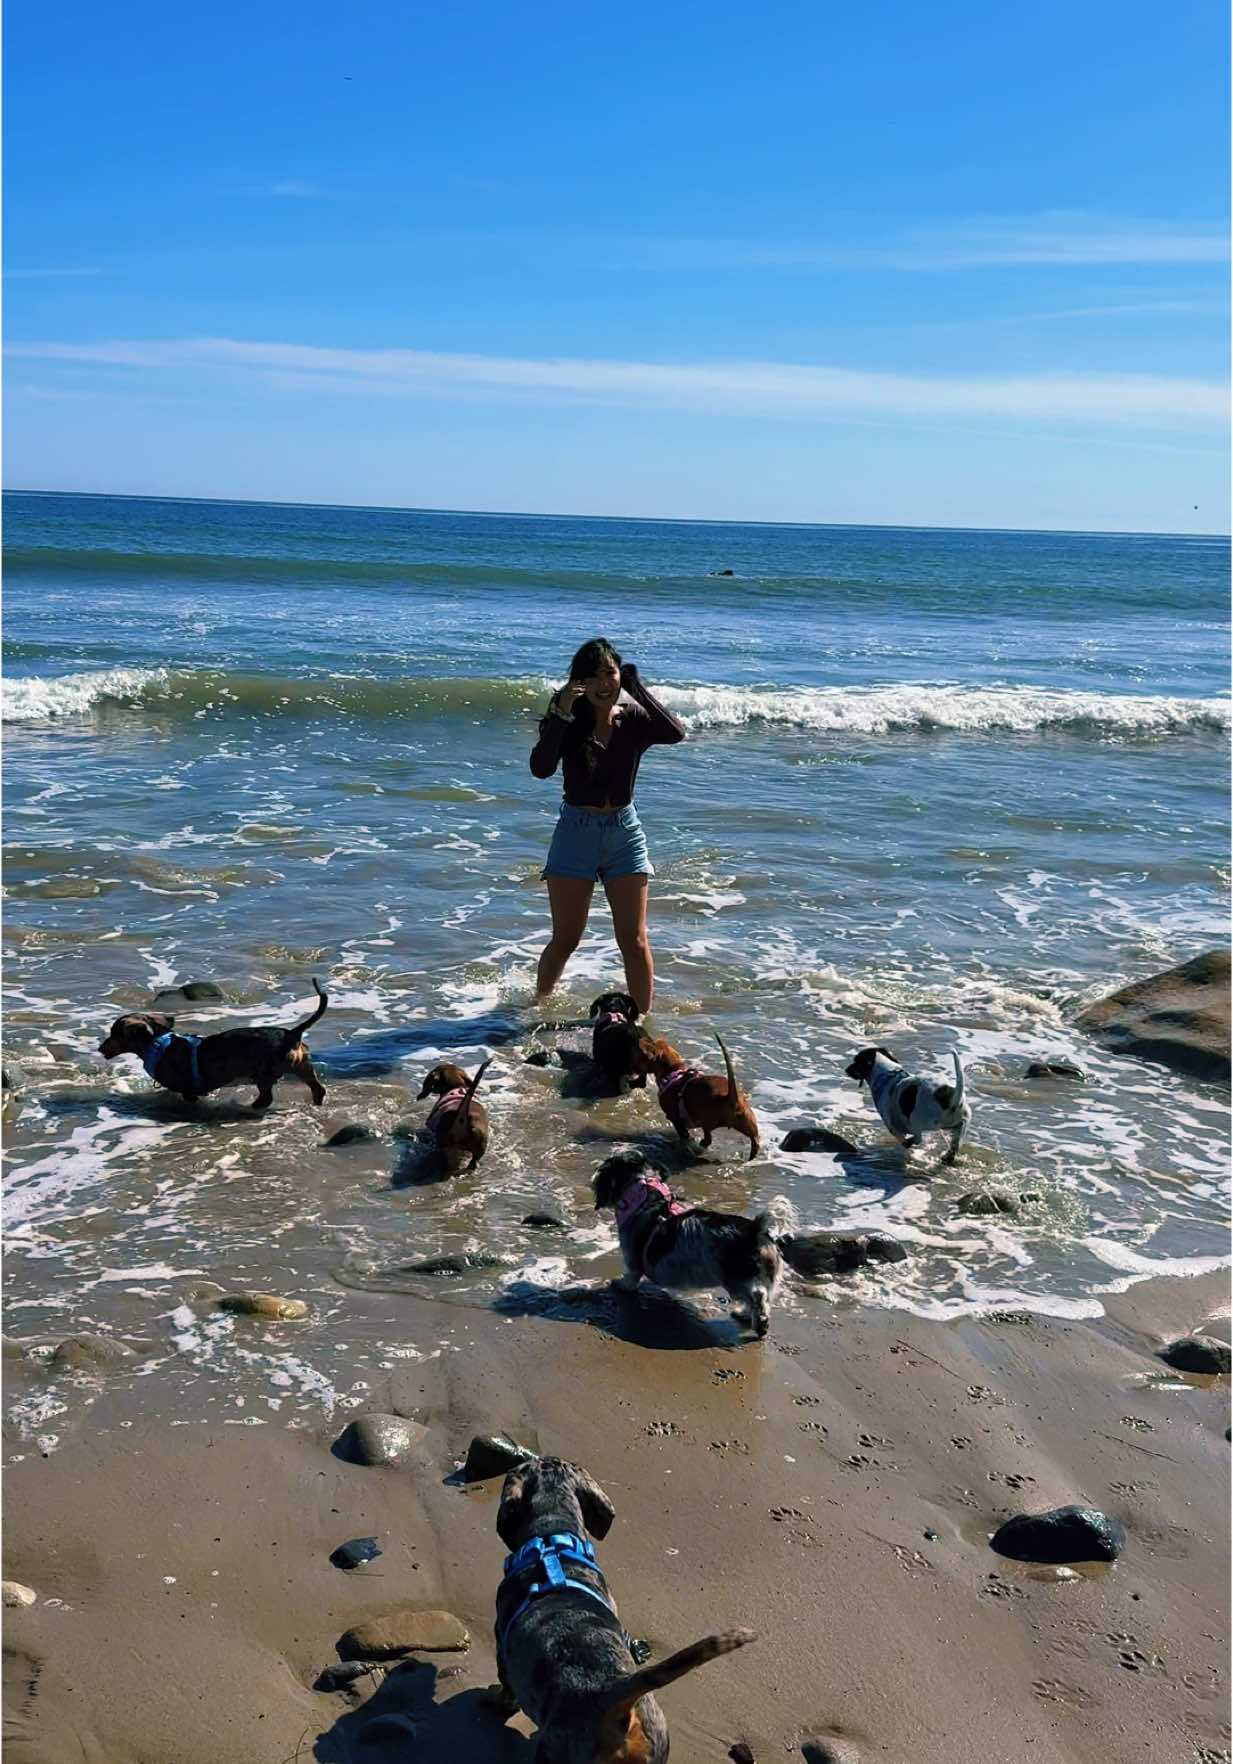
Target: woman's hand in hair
[565, 700]
[629, 675]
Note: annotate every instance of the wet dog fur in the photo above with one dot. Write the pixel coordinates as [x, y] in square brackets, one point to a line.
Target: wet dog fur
[706, 1103]
[259, 1056]
[910, 1107]
[614, 1045]
[565, 1661]
[459, 1133]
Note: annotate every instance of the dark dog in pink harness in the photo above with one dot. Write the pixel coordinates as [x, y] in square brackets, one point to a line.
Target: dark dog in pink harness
[666, 1240]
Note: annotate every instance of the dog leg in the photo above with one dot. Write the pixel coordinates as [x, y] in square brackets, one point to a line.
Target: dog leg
[956, 1139]
[304, 1072]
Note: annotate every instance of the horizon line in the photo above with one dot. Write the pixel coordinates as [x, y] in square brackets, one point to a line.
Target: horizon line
[664, 520]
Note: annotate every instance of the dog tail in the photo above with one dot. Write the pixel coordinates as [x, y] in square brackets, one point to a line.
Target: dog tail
[464, 1107]
[958, 1076]
[649, 1679]
[294, 1035]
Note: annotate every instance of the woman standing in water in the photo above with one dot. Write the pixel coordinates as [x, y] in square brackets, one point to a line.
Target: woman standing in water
[598, 742]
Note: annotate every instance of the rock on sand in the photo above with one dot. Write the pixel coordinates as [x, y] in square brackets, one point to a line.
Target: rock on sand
[1179, 1018]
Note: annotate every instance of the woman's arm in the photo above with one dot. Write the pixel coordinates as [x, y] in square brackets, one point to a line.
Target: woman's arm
[662, 728]
[546, 754]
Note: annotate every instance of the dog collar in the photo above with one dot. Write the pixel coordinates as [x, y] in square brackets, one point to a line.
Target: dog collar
[158, 1047]
[551, 1554]
[607, 1017]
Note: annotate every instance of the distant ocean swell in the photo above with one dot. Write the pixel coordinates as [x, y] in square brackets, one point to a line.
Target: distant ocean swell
[852, 710]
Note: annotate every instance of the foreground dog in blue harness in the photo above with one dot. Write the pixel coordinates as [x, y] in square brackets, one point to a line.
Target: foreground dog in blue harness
[196, 1064]
[562, 1656]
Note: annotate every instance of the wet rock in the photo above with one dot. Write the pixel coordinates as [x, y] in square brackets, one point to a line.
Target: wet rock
[1063, 1534]
[90, 1353]
[980, 1202]
[492, 1454]
[263, 1304]
[11, 1076]
[1179, 1018]
[1197, 1353]
[741, 1753]
[355, 1552]
[538, 1056]
[830, 1749]
[199, 989]
[179, 998]
[353, 1133]
[379, 1439]
[201, 1290]
[1056, 1069]
[838, 1252]
[11, 1348]
[818, 1139]
[404, 1632]
[406, 1130]
[339, 1676]
[456, 1263]
[544, 1222]
[61, 1052]
[13, 1594]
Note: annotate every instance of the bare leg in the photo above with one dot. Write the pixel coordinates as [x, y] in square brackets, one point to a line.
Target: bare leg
[627, 896]
[570, 901]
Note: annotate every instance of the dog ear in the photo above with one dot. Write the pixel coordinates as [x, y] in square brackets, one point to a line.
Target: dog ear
[513, 1501]
[887, 1052]
[598, 1511]
[159, 1021]
[631, 1009]
[427, 1086]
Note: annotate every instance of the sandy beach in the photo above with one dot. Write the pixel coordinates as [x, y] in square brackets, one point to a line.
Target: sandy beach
[833, 1488]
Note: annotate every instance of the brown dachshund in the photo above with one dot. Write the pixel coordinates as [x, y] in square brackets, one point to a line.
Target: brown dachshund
[690, 1099]
[195, 1065]
[457, 1124]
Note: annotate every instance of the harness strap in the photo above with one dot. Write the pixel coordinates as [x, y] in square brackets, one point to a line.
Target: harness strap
[640, 1193]
[153, 1055]
[550, 1553]
[449, 1104]
[682, 1075]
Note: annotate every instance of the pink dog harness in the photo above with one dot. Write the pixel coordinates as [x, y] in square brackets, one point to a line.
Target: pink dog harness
[682, 1075]
[637, 1195]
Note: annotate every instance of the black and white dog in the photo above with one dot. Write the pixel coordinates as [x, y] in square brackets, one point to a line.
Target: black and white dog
[614, 1037]
[909, 1107]
[667, 1241]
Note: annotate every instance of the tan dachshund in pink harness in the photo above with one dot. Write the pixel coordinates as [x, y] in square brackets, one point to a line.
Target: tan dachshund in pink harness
[690, 1099]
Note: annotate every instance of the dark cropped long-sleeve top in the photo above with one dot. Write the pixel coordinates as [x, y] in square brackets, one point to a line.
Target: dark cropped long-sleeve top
[594, 776]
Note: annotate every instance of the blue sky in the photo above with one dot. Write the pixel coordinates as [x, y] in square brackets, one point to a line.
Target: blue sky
[963, 265]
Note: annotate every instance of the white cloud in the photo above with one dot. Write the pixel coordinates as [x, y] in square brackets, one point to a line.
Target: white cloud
[745, 387]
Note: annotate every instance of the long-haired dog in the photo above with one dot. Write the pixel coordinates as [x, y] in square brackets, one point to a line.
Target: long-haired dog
[909, 1107]
[194, 1065]
[690, 1099]
[457, 1125]
[562, 1656]
[614, 1038]
[667, 1241]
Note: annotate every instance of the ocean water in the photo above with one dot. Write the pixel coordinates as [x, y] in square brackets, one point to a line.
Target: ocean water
[940, 790]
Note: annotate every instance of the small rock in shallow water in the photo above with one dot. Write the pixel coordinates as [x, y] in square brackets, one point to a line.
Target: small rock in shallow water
[492, 1454]
[817, 1139]
[14, 1593]
[1055, 1069]
[90, 1353]
[263, 1304]
[355, 1552]
[981, 1201]
[353, 1133]
[404, 1632]
[199, 989]
[1197, 1353]
[1063, 1534]
[544, 1222]
[379, 1439]
[337, 1677]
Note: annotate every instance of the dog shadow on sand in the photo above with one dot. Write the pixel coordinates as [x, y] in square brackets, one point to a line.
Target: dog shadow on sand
[651, 1318]
[403, 1719]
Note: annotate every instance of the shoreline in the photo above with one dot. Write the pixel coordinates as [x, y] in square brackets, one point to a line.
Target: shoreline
[788, 1486]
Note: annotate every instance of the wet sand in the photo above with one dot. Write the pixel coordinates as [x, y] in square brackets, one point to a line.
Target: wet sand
[833, 1488]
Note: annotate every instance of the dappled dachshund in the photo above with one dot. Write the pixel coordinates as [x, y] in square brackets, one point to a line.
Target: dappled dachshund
[690, 1099]
[458, 1125]
[562, 1655]
[909, 1107]
[614, 1039]
[673, 1244]
[196, 1064]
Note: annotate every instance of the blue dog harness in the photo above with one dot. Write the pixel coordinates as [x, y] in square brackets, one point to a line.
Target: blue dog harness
[158, 1047]
[552, 1554]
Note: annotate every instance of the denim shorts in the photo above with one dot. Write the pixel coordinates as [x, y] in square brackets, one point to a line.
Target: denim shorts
[589, 846]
